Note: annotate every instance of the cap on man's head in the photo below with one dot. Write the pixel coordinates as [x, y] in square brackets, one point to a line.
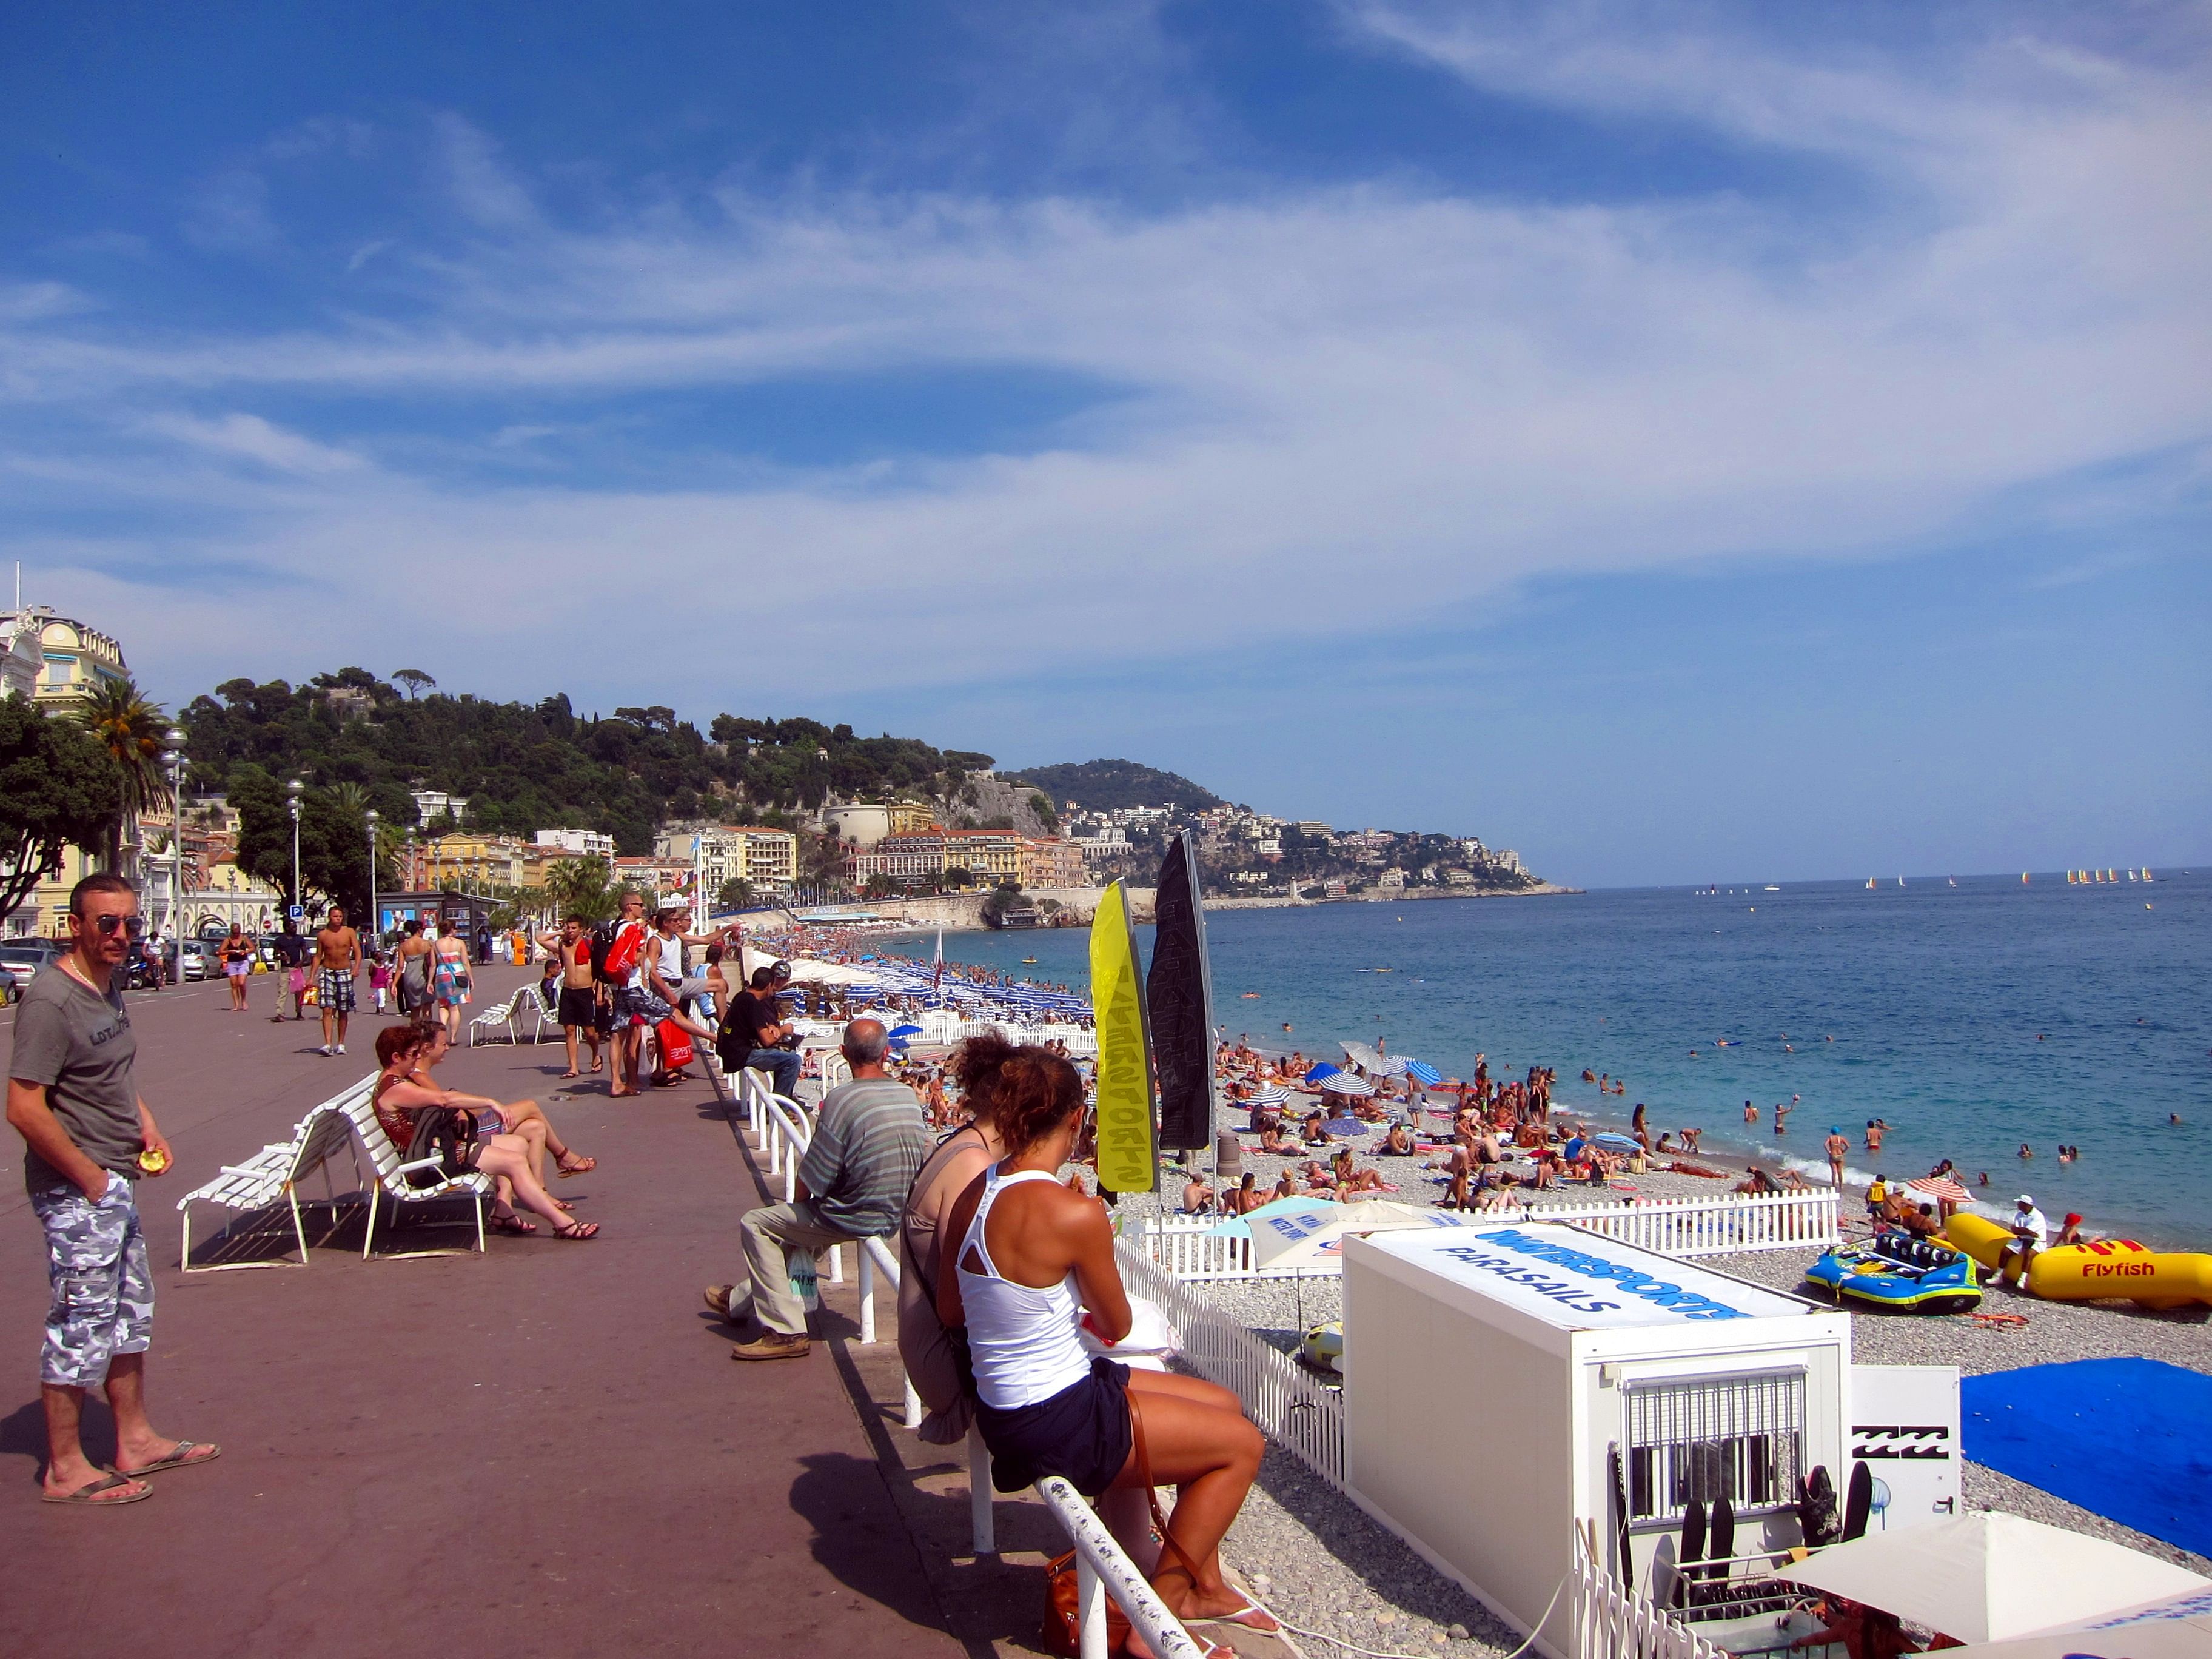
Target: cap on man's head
[2024, 1202]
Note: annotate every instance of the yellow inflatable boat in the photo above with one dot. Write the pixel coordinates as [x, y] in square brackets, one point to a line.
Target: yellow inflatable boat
[2116, 1269]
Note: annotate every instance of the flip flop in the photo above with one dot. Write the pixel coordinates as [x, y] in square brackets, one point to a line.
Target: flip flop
[89, 1495]
[1243, 1616]
[582, 1166]
[568, 1074]
[182, 1457]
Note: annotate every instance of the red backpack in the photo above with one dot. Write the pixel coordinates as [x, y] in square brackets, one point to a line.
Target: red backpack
[622, 955]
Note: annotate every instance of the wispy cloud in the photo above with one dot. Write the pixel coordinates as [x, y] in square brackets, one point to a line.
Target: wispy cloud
[251, 438]
[1343, 401]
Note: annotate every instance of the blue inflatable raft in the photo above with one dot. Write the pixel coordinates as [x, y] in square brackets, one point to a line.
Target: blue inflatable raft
[1898, 1271]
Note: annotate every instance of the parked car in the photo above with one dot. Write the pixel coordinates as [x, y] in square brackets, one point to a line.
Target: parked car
[197, 960]
[20, 959]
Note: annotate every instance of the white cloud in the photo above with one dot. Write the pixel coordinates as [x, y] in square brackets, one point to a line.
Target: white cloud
[251, 438]
[1342, 409]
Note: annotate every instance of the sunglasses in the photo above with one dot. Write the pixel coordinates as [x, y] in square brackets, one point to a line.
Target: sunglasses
[132, 927]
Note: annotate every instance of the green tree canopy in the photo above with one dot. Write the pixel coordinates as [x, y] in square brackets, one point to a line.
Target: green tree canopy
[59, 789]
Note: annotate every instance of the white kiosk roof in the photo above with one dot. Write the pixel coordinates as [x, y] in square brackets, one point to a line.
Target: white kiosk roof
[1573, 1280]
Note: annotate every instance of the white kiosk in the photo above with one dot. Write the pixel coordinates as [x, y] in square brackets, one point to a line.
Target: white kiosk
[1507, 1386]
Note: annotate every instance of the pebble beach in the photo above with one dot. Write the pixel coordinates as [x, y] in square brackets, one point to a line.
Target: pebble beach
[1324, 1564]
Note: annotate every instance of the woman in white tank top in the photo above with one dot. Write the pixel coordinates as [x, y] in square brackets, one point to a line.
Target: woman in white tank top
[1034, 1256]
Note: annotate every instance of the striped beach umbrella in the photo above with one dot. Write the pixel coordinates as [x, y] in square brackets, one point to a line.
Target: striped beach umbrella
[1421, 1072]
[1274, 1095]
[1942, 1188]
[1345, 1084]
[1388, 1065]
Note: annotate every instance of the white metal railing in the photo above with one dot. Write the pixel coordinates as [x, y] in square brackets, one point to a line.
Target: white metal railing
[1186, 1246]
[1290, 1407]
[779, 1123]
[1103, 1569]
[876, 1257]
[1607, 1621]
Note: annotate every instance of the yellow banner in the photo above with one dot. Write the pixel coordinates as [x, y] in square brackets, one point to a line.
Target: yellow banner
[1127, 1154]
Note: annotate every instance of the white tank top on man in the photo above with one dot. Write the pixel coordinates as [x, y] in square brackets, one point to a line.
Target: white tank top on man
[1022, 1340]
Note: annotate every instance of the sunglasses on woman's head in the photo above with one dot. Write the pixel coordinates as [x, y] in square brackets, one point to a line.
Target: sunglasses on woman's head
[132, 927]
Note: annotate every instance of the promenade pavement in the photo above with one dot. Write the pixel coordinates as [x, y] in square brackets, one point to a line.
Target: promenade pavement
[544, 1449]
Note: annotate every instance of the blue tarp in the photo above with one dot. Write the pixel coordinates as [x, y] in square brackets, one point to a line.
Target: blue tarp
[2129, 1439]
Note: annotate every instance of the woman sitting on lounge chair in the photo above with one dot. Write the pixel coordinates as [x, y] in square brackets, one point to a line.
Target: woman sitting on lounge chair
[1031, 1251]
[509, 1159]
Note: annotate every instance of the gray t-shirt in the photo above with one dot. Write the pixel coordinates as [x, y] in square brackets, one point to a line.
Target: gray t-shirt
[79, 1045]
[866, 1146]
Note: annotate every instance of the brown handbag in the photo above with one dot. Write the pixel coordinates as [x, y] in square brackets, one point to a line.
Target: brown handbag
[1063, 1619]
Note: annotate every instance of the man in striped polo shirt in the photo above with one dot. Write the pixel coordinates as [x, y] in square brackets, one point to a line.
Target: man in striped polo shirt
[869, 1140]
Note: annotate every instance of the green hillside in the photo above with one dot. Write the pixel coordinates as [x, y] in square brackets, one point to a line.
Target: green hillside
[1102, 786]
[530, 766]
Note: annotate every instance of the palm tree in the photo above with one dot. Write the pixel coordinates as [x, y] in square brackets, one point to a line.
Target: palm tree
[134, 732]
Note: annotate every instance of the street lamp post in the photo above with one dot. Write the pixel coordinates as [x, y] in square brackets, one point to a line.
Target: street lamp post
[373, 930]
[176, 760]
[295, 789]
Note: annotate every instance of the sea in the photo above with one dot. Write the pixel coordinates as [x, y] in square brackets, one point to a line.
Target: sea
[1976, 1015]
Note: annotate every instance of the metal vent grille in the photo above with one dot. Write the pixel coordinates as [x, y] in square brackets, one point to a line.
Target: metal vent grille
[1741, 1439]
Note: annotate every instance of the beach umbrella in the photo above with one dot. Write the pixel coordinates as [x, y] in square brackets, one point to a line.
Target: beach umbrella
[1322, 1070]
[1345, 1127]
[906, 1032]
[1362, 1055]
[1315, 1242]
[1389, 1066]
[2179, 1627]
[1421, 1072]
[1345, 1084]
[1618, 1143]
[1988, 1578]
[1942, 1187]
[1274, 1095]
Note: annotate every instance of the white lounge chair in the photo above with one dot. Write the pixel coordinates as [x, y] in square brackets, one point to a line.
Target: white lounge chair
[500, 1016]
[274, 1173]
[391, 1172]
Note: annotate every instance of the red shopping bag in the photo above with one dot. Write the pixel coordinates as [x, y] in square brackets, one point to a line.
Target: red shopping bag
[675, 1045]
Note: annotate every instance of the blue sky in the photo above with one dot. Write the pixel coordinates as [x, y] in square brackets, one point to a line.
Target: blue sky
[1686, 443]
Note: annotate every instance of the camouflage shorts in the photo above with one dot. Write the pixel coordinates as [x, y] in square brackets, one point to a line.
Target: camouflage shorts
[103, 1290]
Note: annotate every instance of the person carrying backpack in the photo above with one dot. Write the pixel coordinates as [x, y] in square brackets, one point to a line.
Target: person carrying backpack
[619, 965]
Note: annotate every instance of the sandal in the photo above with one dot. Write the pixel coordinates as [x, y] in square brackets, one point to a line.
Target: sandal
[582, 1166]
[598, 1066]
[186, 1455]
[579, 1230]
[569, 1074]
[511, 1224]
[92, 1494]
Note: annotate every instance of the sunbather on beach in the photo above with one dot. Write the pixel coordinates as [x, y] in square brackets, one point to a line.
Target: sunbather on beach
[1399, 1143]
[1197, 1196]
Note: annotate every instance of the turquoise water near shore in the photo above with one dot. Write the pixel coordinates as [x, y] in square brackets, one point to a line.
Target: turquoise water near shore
[1972, 1018]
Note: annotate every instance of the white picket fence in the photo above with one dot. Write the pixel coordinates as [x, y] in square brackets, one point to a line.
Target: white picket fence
[1291, 1407]
[1187, 1246]
[1731, 1225]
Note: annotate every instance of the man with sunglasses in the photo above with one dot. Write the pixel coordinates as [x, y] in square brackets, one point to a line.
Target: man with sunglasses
[89, 1135]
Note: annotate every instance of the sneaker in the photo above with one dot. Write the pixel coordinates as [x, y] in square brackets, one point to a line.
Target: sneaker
[773, 1345]
[324, 1051]
[342, 1048]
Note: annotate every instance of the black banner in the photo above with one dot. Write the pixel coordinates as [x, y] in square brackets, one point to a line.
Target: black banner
[1179, 992]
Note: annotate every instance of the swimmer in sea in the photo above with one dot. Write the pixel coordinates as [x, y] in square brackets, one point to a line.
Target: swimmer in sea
[1782, 1112]
[1984, 1180]
[1875, 1130]
[1750, 1113]
[2025, 1150]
